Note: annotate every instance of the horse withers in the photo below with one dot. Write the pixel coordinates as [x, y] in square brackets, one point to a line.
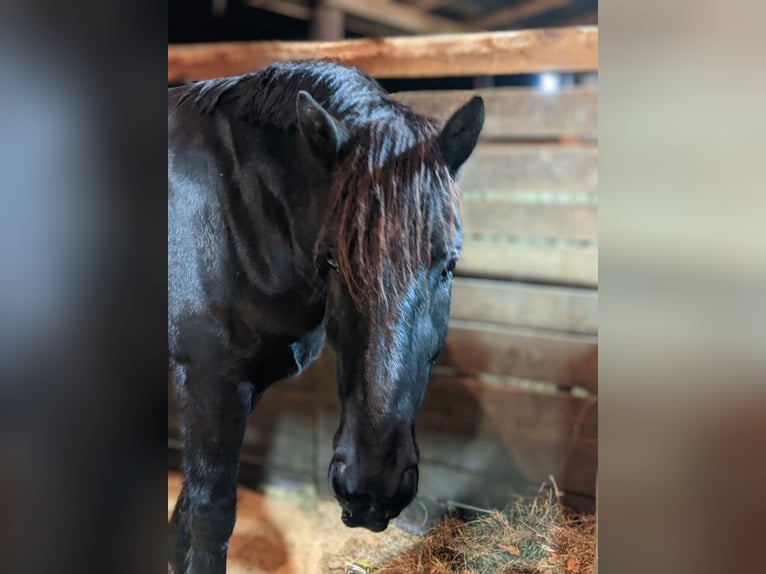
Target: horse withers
[305, 203]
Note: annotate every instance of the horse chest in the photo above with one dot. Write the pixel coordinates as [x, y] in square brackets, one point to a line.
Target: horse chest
[281, 334]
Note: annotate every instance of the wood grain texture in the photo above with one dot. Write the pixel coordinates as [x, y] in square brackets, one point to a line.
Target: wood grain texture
[521, 113]
[558, 308]
[522, 167]
[560, 265]
[566, 360]
[516, 219]
[485, 53]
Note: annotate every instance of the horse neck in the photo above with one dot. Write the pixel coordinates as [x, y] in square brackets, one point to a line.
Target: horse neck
[284, 192]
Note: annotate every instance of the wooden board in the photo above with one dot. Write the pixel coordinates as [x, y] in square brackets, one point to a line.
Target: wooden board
[524, 167]
[562, 265]
[510, 435]
[518, 219]
[566, 360]
[560, 308]
[517, 113]
[486, 53]
[400, 16]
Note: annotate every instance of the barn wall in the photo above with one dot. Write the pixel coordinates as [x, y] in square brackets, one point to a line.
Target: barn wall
[515, 397]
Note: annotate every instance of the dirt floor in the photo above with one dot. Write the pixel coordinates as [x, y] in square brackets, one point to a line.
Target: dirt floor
[290, 532]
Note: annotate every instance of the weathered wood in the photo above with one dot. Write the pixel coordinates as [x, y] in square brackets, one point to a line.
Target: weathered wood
[560, 308]
[510, 435]
[503, 260]
[305, 12]
[526, 167]
[513, 219]
[521, 113]
[327, 23]
[519, 52]
[566, 360]
[517, 12]
[400, 16]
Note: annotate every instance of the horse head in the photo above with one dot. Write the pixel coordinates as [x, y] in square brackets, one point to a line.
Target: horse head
[388, 247]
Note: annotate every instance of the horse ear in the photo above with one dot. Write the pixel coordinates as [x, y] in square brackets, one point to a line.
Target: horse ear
[324, 134]
[458, 138]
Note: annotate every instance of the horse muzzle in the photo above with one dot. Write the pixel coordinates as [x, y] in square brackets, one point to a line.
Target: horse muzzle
[369, 520]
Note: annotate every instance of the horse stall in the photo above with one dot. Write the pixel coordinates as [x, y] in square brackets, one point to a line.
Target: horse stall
[511, 410]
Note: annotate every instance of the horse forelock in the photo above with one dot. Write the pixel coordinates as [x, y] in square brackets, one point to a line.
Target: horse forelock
[393, 198]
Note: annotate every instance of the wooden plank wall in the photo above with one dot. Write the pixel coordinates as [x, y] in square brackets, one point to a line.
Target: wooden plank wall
[519, 402]
[515, 396]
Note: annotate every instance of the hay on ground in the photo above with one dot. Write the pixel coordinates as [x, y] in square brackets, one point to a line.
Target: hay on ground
[532, 535]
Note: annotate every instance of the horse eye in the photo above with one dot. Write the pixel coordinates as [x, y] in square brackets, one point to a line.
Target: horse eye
[331, 261]
[449, 268]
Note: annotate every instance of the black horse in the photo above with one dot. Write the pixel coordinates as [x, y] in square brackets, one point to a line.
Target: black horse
[304, 202]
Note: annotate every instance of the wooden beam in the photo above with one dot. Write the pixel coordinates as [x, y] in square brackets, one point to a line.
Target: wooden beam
[507, 16]
[282, 7]
[486, 53]
[304, 12]
[327, 23]
[395, 15]
[400, 16]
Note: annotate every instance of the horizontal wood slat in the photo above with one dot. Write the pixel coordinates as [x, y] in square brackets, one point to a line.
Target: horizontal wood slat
[508, 434]
[516, 219]
[519, 167]
[566, 360]
[559, 308]
[551, 264]
[484, 53]
[517, 112]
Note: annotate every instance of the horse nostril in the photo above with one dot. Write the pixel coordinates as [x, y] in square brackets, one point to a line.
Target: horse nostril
[336, 477]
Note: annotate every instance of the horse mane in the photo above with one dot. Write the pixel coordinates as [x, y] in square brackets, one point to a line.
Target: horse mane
[392, 193]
